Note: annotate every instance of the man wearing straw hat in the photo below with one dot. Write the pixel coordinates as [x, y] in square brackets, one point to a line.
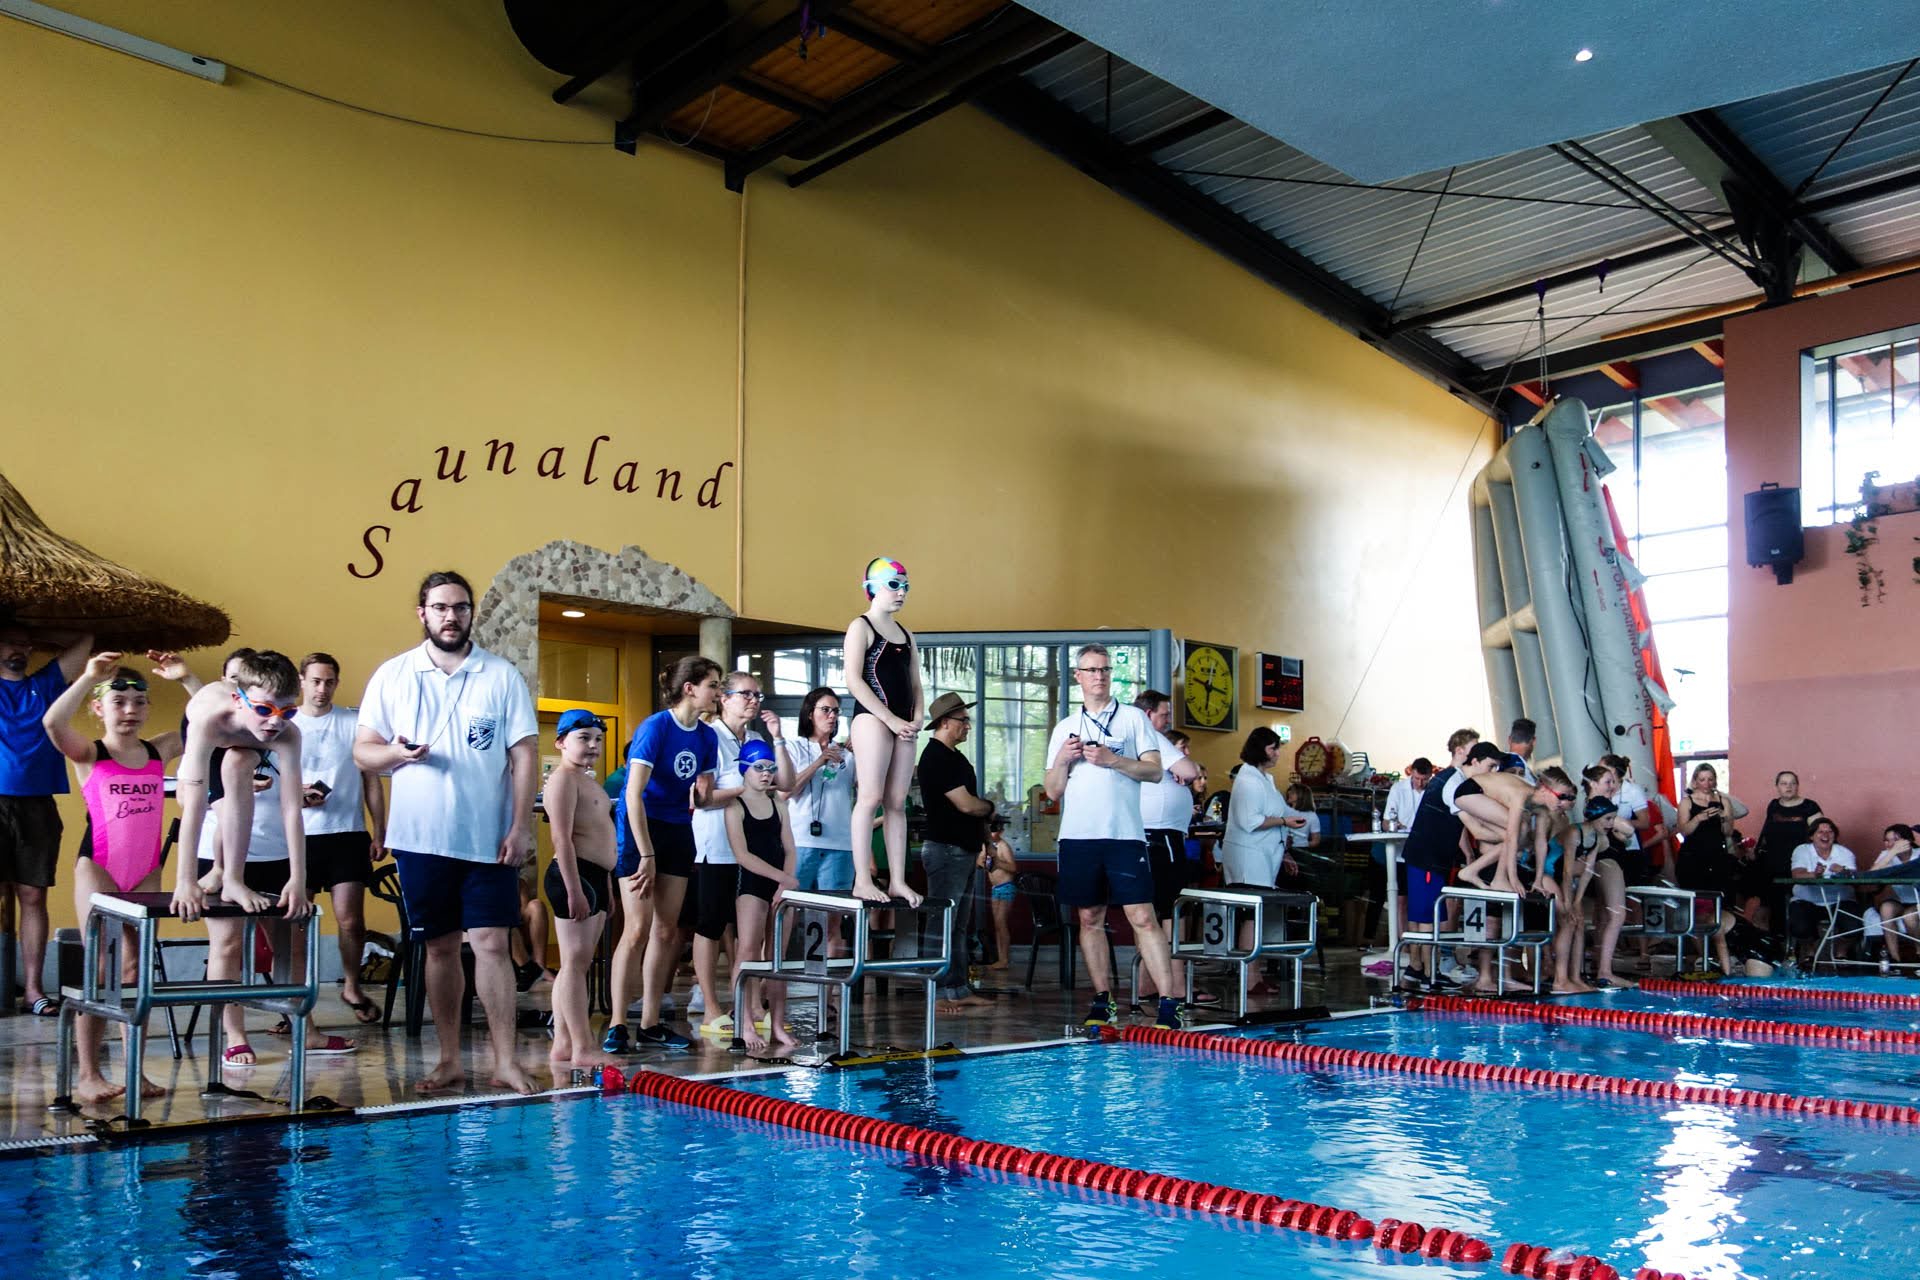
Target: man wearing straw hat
[32, 773]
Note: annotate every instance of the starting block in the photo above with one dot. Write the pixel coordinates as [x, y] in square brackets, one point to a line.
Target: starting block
[1208, 923]
[816, 918]
[1667, 913]
[1491, 918]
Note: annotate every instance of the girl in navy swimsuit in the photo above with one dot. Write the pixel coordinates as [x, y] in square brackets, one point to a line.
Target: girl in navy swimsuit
[883, 678]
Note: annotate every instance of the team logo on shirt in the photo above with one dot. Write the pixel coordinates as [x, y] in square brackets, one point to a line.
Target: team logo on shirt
[683, 766]
[480, 732]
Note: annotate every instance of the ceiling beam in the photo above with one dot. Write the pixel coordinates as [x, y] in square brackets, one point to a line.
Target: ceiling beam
[901, 48]
[658, 94]
[1582, 274]
[790, 101]
[961, 95]
[1174, 134]
[1573, 360]
[1739, 163]
[1713, 351]
[602, 52]
[1687, 224]
[1010, 33]
[1033, 114]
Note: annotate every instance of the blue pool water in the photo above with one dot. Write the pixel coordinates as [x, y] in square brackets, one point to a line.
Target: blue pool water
[1701, 1190]
[625, 1187]
[619, 1188]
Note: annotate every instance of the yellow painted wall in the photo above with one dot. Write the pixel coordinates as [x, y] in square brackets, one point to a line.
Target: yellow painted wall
[236, 318]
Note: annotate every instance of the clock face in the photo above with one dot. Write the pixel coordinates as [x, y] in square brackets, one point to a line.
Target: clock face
[1210, 692]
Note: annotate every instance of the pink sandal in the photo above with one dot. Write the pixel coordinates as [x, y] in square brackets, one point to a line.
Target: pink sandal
[334, 1045]
[231, 1058]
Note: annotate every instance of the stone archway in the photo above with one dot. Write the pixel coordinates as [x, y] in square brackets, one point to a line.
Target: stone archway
[508, 618]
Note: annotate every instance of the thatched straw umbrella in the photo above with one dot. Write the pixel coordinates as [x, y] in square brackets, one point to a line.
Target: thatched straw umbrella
[47, 581]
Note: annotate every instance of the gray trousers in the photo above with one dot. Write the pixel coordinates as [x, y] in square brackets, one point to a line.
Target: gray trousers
[950, 875]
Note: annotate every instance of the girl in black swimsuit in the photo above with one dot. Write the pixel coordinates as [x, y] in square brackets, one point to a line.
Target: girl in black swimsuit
[883, 678]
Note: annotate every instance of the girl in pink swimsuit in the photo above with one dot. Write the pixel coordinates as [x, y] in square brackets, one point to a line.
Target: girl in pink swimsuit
[122, 776]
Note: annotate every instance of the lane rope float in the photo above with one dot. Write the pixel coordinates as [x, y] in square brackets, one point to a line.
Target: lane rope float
[1319, 1055]
[1810, 995]
[1678, 1023]
[1000, 1157]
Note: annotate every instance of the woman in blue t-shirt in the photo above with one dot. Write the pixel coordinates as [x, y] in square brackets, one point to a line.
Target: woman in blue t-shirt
[669, 769]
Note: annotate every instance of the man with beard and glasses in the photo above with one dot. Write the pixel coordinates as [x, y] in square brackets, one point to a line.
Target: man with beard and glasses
[454, 725]
[32, 773]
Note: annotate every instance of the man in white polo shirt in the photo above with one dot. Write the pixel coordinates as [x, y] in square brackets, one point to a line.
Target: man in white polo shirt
[455, 727]
[1099, 758]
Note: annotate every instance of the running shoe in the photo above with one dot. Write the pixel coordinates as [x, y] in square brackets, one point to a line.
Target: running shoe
[1168, 1018]
[617, 1040]
[1101, 1015]
[698, 1002]
[664, 1036]
[1460, 975]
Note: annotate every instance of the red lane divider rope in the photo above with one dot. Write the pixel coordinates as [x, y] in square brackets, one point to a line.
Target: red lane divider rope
[1654, 1273]
[999, 1157]
[1320, 1055]
[1810, 995]
[1538, 1262]
[1683, 1023]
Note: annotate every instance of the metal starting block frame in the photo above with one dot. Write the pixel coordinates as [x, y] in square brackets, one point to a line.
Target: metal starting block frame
[815, 919]
[1676, 914]
[1494, 919]
[103, 995]
[1207, 925]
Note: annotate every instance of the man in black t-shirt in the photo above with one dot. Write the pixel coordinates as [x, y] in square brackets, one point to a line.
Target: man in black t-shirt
[956, 832]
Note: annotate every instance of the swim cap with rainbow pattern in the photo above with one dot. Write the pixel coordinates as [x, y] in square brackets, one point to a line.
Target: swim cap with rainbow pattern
[880, 570]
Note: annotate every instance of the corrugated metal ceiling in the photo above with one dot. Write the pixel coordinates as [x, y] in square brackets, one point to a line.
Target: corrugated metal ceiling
[1367, 235]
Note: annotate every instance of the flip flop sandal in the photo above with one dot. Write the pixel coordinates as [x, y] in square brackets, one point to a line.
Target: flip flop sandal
[45, 1007]
[231, 1058]
[362, 1008]
[281, 1028]
[720, 1028]
[334, 1046]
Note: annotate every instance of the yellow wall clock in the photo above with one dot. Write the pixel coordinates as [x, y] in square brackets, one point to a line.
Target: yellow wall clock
[1212, 687]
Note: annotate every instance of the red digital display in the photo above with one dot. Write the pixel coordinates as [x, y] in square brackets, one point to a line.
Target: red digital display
[1283, 683]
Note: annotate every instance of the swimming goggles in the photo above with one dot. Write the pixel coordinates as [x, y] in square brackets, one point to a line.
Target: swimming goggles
[266, 710]
[890, 584]
[120, 684]
[763, 766]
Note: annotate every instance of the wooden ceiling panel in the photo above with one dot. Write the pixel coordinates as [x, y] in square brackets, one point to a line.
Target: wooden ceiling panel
[835, 66]
[928, 21]
[727, 118]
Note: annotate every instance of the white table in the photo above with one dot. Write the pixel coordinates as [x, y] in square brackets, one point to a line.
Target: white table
[1392, 841]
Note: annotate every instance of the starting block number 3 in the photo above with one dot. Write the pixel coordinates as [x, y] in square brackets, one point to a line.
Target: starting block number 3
[1216, 929]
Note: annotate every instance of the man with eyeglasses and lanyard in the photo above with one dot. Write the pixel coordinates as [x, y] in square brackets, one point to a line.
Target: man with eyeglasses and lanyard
[32, 773]
[1099, 759]
[454, 725]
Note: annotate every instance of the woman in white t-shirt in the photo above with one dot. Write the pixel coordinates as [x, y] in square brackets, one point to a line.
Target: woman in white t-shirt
[1254, 845]
[1823, 855]
[821, 802]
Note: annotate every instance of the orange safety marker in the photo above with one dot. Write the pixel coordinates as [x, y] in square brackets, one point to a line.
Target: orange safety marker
[1678, 1023]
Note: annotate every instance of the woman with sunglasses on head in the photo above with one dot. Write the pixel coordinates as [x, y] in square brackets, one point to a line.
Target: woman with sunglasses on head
[883, 677]
[123, 779]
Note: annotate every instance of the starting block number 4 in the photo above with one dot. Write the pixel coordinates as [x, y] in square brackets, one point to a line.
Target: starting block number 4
[1479, 921]
[1216, 929]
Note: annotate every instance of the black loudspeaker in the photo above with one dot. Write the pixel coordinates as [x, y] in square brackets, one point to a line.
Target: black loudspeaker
[1774, 537]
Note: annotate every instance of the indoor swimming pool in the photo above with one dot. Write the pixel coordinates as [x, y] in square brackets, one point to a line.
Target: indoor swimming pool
[624, 1185]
